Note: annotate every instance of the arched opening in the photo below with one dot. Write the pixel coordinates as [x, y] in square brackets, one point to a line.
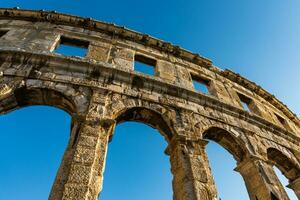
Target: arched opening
[36, 139]
[27, 97]
[24, 96]
[223, 152]
[149, 117]
[285, 169]
[284, 181]
[136, 166]
[32, 142]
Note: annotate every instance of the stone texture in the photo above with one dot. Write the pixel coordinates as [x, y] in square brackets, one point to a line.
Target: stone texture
[102, 89]
[99, 51]
[190, 167]
[295, 185]
[261, 180]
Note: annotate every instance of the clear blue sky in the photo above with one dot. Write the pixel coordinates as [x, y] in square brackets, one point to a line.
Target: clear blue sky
[258, 39]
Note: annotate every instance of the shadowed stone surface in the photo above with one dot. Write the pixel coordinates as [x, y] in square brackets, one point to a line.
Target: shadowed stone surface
[103, 89]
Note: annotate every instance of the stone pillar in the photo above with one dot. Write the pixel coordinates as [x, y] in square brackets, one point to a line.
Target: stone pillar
[80, 175]
[295, 185]
[261, 180]
[192, 178]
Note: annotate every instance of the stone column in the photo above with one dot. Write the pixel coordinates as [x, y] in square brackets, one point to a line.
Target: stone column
[192, 178]
[261, 180]
[80, 175]
[295, 185]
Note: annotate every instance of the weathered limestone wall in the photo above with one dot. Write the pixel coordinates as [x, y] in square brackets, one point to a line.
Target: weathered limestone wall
[103, 89]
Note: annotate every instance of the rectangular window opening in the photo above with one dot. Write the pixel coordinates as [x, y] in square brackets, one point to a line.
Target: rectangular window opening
[245, 102]
[282, 121]
[200, 84]
[144, 64]
[72, 47]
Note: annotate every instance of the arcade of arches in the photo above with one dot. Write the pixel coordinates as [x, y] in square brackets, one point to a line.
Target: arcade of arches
[103, 89]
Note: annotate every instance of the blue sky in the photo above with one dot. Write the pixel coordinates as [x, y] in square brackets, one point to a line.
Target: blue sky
[258, 39]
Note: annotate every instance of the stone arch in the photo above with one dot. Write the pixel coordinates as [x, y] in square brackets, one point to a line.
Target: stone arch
[124, 109]
[25, 93]
[286, 163]
[72, 100]
[147, 116]
[28, 97]
[38, 130]
[227, 139]
[232, 141]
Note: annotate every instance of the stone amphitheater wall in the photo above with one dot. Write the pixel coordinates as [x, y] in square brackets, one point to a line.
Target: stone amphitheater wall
[103, 89]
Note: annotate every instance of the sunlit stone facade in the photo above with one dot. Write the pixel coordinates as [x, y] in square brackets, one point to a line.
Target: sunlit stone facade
[102, 89]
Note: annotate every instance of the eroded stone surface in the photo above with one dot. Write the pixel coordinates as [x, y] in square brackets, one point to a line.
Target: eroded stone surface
[102, 89]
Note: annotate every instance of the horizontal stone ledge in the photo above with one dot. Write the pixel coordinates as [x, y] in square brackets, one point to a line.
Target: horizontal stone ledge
[122, 32]
[108, 28]
[120, 76]
[261, 92]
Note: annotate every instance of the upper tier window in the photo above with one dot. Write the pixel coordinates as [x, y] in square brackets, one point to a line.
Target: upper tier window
[200, 84]
[282, 121]
[144, 64]
[72, 47]
[245, 102]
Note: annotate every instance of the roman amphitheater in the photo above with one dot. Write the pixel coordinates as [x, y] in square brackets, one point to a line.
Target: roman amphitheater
[103, 89]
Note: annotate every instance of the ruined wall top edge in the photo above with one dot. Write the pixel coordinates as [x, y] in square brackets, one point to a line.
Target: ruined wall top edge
[121, 32]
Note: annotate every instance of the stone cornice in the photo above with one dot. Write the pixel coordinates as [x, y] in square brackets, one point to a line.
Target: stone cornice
[108, 28]
[237, 78]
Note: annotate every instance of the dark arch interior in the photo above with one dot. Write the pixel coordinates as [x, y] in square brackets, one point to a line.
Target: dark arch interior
[227, 141]
[27, 97]
[148, 117]
[286, 166]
